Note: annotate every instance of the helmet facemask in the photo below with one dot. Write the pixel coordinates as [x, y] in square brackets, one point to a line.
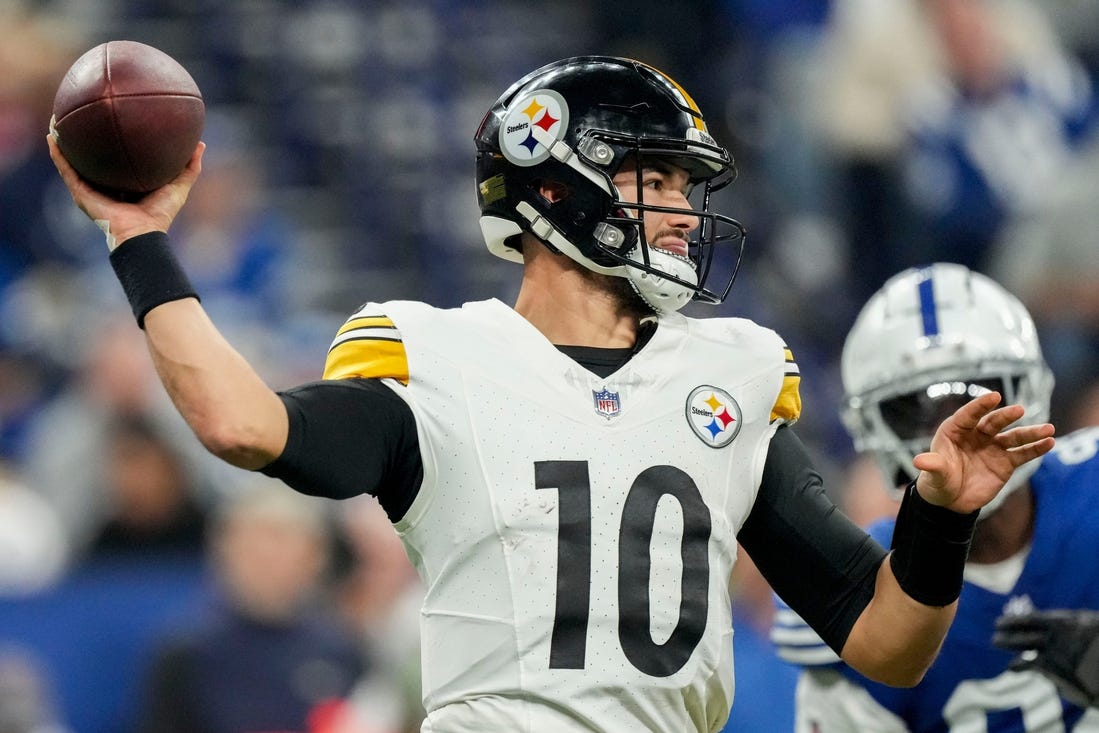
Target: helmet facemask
[665, 280]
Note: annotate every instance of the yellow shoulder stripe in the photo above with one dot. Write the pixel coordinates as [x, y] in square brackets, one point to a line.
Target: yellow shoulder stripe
[355, 322]
[788, 404]
[369, 347]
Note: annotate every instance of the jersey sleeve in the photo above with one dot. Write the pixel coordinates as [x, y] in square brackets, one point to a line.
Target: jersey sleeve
[787, 408]
[827, 701]
[368, 346]
[349, 437]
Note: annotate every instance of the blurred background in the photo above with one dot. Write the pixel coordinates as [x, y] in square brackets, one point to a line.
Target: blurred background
[136, 593]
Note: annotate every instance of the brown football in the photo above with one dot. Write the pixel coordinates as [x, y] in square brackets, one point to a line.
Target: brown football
[127, 116]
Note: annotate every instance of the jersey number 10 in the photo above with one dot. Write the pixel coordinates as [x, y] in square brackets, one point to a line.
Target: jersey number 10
[570, 626]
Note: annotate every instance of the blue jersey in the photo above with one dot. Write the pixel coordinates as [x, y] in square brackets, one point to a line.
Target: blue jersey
[969, 688]
[974, 159]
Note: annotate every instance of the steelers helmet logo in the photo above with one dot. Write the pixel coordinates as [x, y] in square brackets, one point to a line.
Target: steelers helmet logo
[533, 123]
[713, 415]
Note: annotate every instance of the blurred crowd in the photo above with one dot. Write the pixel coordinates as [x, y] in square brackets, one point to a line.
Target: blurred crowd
[146, 587]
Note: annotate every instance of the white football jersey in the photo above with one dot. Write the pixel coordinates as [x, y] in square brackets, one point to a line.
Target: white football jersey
[575, 534]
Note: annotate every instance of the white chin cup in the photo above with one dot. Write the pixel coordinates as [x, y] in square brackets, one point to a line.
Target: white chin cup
[663, 295]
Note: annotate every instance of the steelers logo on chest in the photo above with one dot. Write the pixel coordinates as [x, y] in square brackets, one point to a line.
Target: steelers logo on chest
[713, 415]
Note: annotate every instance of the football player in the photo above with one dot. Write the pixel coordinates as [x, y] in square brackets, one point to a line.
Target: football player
[570, 474]
[928, 341]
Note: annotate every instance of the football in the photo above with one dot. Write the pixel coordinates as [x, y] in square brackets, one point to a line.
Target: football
[127, 116]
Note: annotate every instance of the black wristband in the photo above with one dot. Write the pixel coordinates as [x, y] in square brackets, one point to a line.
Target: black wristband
[930, 547]
[150, 273]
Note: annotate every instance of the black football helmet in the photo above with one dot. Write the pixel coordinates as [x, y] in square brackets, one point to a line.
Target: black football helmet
[575, 122]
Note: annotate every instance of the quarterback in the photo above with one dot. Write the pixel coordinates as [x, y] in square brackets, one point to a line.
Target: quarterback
[571, 474]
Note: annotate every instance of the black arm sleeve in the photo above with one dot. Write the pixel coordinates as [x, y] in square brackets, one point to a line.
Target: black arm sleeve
[351, 437]
[817, 560]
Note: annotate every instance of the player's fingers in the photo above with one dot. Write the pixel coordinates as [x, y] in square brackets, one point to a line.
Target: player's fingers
[194, 165]
[187, 177]
[68, 174]
[1030, 451]
[931, 462]
[996, 420]
[82, 194]
[1024, 434]
[970, 414]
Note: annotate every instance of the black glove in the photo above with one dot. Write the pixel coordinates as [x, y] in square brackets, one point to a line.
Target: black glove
[1062, 645]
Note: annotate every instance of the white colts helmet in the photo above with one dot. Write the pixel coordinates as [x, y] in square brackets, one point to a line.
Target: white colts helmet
[929, 341]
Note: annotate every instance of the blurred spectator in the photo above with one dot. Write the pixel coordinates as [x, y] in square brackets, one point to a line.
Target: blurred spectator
[23, 390]
[151, 499]
[69, 439]
[263, 655]
[35, 52]
[236, 246]
[26, 700]
[939, 118]
[1078, 24]
[381, 595]
[34, 55]
[91, 631]
[989, 138]
[1048, 257]
[33, 544]
[872, 55]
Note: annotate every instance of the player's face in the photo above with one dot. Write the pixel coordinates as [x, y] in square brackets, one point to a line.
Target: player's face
[666, 185]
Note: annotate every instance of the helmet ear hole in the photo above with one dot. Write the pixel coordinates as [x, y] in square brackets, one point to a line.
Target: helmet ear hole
[551, 191]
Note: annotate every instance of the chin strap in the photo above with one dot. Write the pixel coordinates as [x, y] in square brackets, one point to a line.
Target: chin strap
[660, 294]
[544, 229]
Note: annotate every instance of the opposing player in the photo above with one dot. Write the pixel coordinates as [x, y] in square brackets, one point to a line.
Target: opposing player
[571, 475]
[928, 341]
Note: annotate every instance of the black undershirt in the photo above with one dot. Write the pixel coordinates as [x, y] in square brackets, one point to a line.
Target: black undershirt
[356, 436]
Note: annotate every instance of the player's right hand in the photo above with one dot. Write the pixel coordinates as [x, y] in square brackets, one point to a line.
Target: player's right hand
[154, 212]
[1063, 645]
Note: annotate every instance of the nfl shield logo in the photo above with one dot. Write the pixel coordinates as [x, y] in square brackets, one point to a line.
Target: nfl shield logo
[606, 403]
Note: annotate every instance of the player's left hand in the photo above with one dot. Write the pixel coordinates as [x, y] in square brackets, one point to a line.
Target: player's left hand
[974, 453]
[1062, 645]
